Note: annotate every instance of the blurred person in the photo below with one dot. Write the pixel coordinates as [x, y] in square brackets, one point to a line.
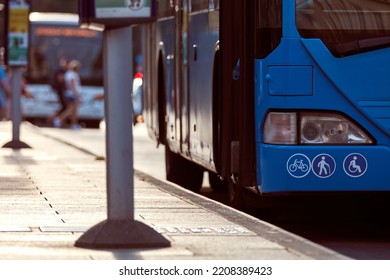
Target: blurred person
[25, 92]
[5, 89]
[138, 90]
[137, 98]
[58, 85]
[71, 96]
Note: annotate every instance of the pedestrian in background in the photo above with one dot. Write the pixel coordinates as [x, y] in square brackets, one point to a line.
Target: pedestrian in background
[58, 85]
[5, 90]
[72, 96]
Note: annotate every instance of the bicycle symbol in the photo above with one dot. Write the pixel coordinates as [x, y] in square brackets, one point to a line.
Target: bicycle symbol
[298, 165]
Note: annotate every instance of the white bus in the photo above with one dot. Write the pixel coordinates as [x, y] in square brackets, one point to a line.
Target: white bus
[54, 37]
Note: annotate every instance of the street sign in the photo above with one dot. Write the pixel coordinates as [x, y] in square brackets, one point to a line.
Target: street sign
[16, 56]
[115, 13]
[18, 27]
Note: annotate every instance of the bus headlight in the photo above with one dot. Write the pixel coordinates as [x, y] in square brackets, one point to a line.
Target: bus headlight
[281, 128]
[331, 128]
[314, 128]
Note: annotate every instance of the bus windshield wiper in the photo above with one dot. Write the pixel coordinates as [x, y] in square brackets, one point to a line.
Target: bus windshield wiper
[364, 44]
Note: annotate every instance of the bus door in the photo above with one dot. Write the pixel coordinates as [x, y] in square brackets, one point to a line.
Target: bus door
[237, 86]
[181, 73]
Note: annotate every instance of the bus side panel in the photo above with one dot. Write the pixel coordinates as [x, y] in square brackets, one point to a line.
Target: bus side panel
[150, 72]
[166, 33]
[203, 38]
[159, 69]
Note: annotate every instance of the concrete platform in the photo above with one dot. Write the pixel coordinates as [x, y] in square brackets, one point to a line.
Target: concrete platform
[51, 194]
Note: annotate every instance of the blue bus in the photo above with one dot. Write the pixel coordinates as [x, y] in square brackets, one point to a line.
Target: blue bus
[274, 96]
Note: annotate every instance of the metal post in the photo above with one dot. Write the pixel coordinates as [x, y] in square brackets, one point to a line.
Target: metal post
[120, 229]
[119, 125]
[16, 112]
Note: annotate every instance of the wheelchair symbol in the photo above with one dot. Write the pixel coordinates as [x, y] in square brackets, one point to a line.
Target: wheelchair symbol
[355, 165]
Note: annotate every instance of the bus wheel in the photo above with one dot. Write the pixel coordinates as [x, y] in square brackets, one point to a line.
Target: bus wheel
[183, 172]
[216, 183]
[235, 195]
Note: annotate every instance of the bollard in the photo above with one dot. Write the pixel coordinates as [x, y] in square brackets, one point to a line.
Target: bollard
[120, 230]
[16, 112]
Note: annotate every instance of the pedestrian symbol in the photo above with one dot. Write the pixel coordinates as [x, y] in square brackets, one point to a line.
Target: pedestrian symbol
[298, 165]
[323, 165]
[355, 165]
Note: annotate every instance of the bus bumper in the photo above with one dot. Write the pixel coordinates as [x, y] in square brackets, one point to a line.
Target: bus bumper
[323, 168]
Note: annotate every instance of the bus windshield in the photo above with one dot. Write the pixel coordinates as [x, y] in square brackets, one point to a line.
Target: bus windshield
[345, 26]
[51, 43]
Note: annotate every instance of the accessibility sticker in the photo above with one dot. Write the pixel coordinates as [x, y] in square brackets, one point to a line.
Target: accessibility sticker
[298, 165]
[355, 165]
[323, 165]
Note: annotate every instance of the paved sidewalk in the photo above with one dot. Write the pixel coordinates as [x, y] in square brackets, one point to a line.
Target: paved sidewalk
[52, 193]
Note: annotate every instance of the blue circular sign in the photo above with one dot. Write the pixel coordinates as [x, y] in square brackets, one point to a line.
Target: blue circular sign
[323, 165]
[355, 165]
[298, 165]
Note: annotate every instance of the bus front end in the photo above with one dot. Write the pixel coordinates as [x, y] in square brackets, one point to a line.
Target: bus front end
[323, 96]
